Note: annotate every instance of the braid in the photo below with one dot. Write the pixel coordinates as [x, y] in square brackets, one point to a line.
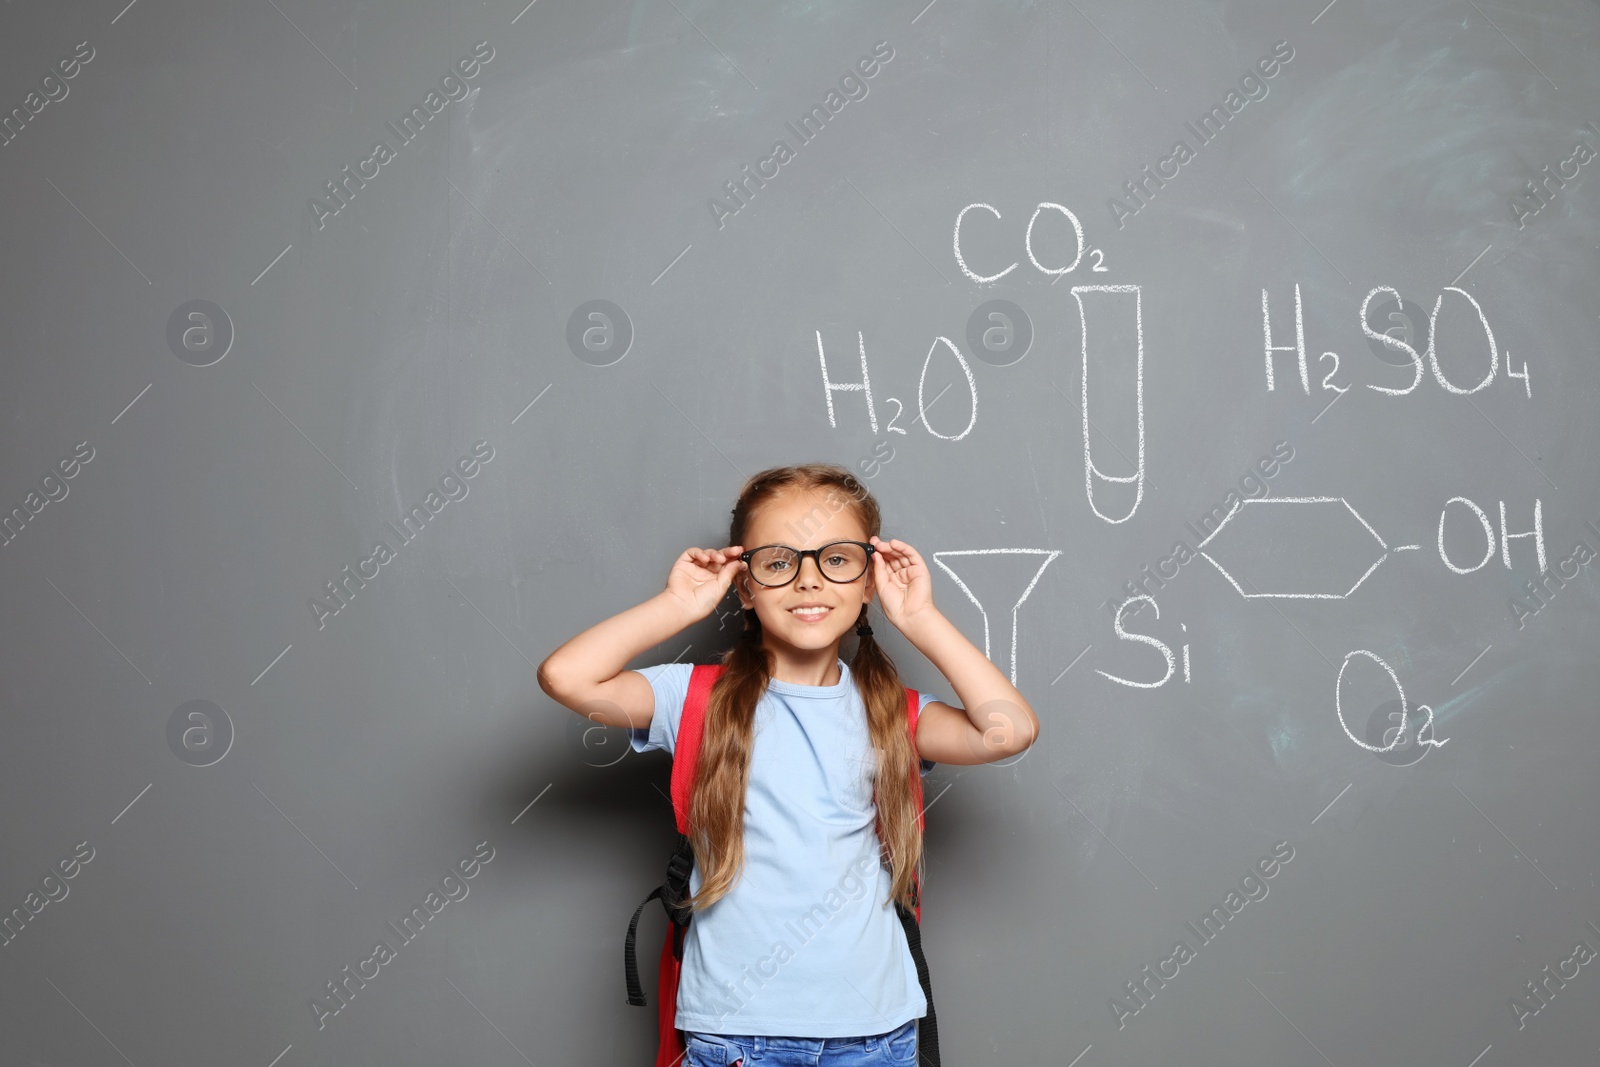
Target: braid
[899, 831]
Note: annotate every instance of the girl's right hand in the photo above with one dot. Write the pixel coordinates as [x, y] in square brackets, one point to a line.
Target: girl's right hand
[700, 577]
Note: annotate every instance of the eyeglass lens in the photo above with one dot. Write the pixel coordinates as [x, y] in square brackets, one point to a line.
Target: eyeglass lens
[777, 565]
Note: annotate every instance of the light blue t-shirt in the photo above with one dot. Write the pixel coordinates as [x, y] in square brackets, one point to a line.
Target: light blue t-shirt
[804, 944]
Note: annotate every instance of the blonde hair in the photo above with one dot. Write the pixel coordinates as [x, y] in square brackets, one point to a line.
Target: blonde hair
[722, 771]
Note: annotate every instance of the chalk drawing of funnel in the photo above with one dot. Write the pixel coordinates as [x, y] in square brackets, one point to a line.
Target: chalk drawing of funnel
[1048, 554]
[1113, 344]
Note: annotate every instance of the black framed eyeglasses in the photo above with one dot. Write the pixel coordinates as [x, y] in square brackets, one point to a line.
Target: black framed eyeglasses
[775, 566]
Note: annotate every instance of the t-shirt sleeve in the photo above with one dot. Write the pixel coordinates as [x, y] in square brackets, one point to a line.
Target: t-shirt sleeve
[671, 684]
[923, 700]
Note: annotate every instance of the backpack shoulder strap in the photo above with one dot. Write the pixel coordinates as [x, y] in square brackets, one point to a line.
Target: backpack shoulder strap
[686, 752]
[916, 772]
[928, 1028]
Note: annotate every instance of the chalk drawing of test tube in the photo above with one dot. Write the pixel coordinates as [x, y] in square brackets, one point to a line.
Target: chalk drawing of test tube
[1090, 471]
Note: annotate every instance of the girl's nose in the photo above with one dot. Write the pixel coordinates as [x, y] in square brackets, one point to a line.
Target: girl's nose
[816, 573]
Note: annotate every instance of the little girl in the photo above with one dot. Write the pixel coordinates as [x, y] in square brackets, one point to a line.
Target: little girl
[793, 952]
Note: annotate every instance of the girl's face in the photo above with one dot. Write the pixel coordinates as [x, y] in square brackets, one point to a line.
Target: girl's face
[805, 520]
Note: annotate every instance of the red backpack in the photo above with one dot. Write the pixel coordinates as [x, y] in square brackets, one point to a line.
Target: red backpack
[671, 1049]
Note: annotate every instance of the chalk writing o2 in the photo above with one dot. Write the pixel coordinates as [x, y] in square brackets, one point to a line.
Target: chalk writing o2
[1099, 260]
[1427, 724]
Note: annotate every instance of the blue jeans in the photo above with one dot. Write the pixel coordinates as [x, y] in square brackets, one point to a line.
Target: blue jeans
[897, 1048]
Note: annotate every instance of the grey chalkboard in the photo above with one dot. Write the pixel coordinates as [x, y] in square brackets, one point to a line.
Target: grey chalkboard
[1234, 364]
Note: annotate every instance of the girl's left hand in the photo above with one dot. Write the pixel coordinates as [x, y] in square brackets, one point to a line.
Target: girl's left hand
[903, 581]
